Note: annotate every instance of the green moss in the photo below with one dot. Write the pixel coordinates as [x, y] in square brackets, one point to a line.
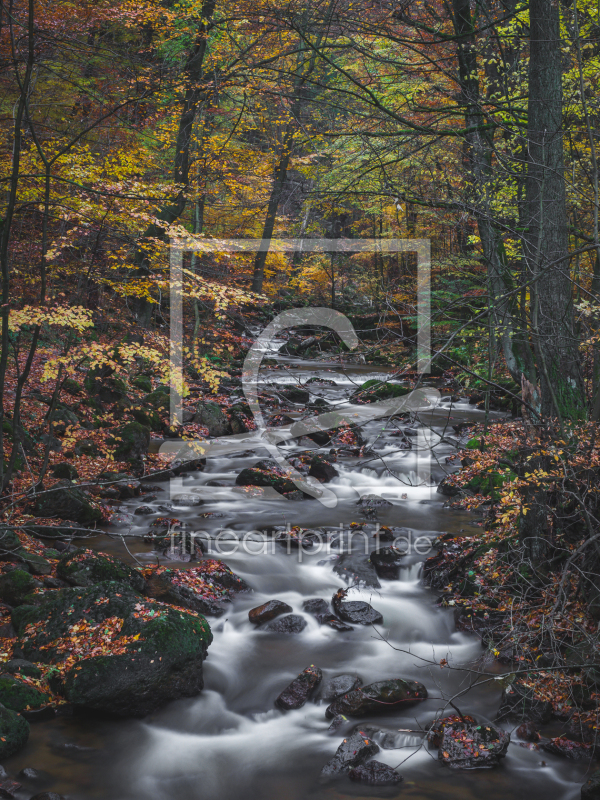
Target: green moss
[15, 586]
[376, 390]
[17, 696]
[14, 732]
[159, 399]
[475, 444]
[85, 568]
[142, 382]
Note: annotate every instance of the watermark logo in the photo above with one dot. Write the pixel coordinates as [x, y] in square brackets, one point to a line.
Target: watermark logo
[271, 438]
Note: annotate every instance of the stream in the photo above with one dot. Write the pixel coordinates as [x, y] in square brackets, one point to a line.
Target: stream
[231, 742]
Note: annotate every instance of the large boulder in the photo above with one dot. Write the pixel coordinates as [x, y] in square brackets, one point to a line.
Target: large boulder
[352, 752]
[591, 789]
[131, 441]
[266, 473]
[375, 773]
[66, 501]
[294, 394]
[386, 561]
[203, 589]
[17, 695]
[372, 391]
[355, 611]
[16, 586]
[357, 570]
[378, 698]
[85, 567]
[9, 544]
[210, 415]
[463, 744]
[114, 651]
[300, 689]
[14, 732]
[341, 684]
[568, 748]
[520, 704]
[322, 469]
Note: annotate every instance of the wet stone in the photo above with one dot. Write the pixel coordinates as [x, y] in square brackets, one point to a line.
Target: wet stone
[356, 569]
[567, 748]
[591, 789]
[333, 622]
[356, 612]
[375, 773]
[463, 744]
[300, 689]
[351, 753]
[48, 796]
[371, 503]
[341, 684]
[293, 623]
[9, 788]
[381, 697]
[268, 611]
[387, 561]
[29, 774]
[337, 723]
[316, 606]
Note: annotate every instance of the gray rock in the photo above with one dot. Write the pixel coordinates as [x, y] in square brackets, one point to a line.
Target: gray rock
[300, 689]
[381, 697]
[293, 623]
[352, 752]
[341, 684]
[375, 773]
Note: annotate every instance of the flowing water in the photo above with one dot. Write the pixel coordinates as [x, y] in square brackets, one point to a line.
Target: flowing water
[231, 742]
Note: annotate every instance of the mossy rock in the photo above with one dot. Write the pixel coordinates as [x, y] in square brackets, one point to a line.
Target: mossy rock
[72, 386]
[475, 444]
[16, 586]
[294, 394]
[67, 502]
[212, 416]
[14, 732]
[64, 470]
[159, 400]
[38, 565]
[374, 390]
[18, 666]
[160, 654]
[490, 483]
[19, 696]
[9, 543]
[147, 417]
[142, 382]
[85, 568]
[266, 473]
[132, 441]
[61, 419]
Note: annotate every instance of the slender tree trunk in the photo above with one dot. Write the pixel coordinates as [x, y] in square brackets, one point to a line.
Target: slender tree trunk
[478, 166]
[546, 240]
[174, 207]
[279, 176]
[6, 223]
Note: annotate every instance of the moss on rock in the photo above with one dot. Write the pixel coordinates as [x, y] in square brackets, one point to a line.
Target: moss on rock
[14, 732]
[85, 567]
[19, 696]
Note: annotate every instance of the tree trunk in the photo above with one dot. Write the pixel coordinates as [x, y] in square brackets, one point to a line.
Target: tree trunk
[546, 240]
[174, 207]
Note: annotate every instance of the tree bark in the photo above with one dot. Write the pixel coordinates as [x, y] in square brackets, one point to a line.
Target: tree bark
[546, 242]
[174, 207]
